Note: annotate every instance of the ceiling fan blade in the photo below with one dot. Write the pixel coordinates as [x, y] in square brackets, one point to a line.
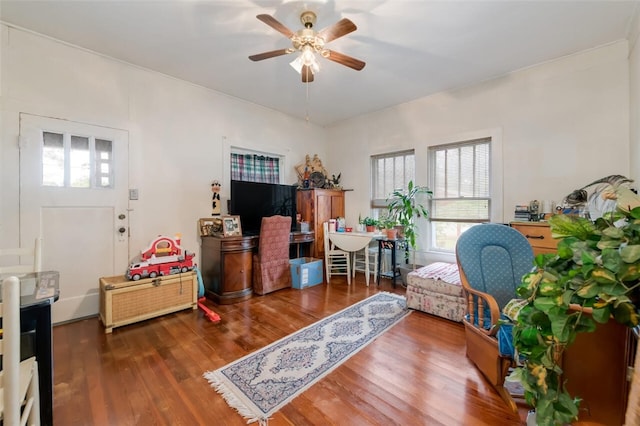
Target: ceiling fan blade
[307, 74]
[345, 60]
[340, 28]
[270, 54]
[275, 24]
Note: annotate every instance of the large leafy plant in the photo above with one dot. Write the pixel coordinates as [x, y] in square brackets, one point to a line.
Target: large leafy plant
[593, 278]
[404, 207]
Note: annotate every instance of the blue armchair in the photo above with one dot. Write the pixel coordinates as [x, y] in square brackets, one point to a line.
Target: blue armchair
[492, 258]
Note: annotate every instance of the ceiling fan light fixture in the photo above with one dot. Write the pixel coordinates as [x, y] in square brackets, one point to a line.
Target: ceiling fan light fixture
[308, 42]
[308, 58]
[296, 64]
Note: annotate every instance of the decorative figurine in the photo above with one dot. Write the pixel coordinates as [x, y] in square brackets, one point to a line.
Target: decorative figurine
[215, 203]
[335, 180]
[307, 175]
[312, 174]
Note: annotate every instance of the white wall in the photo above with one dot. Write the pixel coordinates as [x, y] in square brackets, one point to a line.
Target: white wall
[634, 90]
[179, 134]
[562, 124]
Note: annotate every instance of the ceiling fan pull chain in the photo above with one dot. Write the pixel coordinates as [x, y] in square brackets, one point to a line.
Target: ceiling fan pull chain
[307, 106]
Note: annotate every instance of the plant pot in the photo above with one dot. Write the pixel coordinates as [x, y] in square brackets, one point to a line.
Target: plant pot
[371, 228]
[392, 234]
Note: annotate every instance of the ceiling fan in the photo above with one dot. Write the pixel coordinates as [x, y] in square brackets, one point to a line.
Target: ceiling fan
[309, 42]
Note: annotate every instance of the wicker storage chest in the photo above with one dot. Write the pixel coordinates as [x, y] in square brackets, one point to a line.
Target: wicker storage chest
[125, 302]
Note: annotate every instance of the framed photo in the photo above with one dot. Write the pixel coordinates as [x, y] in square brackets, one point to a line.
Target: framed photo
[210, 227]
[231, 226]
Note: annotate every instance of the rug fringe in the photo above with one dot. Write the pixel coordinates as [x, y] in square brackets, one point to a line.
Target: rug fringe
[232, 400]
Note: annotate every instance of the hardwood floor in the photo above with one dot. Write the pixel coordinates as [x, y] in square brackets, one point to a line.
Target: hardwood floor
[150, 373]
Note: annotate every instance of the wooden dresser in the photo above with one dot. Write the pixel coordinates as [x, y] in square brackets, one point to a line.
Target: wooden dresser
[539, 236]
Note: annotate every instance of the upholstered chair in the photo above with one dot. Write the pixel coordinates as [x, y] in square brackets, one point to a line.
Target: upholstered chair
[492, 259]
[271, 265]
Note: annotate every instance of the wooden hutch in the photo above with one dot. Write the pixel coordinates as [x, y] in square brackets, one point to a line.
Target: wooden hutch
[317, 206]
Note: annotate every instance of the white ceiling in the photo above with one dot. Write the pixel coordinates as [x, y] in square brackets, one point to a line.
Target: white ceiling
[412, 48]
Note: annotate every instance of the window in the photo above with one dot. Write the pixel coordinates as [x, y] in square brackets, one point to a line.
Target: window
[459, 176]
[255, 167]
[389, 172]
[76, 161]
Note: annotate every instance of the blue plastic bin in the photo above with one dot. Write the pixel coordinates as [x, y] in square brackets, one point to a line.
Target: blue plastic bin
[305, 272]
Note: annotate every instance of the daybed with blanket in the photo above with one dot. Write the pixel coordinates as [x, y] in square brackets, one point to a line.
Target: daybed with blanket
[436, 289]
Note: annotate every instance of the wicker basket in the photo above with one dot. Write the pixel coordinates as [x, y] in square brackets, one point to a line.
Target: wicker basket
[125, 302]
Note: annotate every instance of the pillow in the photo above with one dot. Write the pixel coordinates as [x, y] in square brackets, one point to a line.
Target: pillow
[512, 309]
[509, 315]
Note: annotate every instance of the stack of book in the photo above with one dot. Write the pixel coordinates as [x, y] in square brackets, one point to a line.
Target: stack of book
[522, 213]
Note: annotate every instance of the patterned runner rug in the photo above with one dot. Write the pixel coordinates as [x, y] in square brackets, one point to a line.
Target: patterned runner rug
[260, 383]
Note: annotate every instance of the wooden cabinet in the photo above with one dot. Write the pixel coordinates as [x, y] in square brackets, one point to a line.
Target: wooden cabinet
[227, 268]
[317, 206]
[595, 368]
[539, 236]
[226, 264]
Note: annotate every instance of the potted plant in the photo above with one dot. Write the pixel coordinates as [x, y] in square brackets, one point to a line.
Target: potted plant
[404, 207]
[370, 223]
[594, 276]
[388, 223]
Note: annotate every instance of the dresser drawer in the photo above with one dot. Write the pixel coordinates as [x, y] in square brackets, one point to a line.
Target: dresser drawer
[538, 235]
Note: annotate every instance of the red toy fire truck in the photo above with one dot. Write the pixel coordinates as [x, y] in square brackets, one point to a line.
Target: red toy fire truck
[164, 256]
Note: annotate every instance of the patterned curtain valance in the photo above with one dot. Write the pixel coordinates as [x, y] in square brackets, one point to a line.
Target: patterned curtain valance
[255, 168]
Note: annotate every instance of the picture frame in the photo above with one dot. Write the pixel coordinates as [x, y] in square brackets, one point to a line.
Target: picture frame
[210, 227]
[231, 226]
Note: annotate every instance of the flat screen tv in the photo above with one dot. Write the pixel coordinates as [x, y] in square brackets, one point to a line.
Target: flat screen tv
[253, 200]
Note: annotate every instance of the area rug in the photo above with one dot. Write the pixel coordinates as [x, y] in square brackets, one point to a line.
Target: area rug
[260, 383]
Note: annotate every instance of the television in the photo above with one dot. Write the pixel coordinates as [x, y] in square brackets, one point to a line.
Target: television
[253, 200]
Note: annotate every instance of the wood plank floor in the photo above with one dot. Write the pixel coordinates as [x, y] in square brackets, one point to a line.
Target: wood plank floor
[150, 373]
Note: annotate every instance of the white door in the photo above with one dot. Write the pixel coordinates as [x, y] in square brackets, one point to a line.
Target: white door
[74, 195]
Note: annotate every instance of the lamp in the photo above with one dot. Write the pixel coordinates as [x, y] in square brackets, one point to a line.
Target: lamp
[308, 58]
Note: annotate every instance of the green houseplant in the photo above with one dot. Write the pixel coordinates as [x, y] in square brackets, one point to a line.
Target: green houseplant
[370, 223]
[594, 277]
[404, 207]
[388, 223]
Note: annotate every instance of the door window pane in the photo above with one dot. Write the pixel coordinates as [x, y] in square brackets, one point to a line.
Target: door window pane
[52, 159]
[76, 161]
[104, 163]
[79, 161]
